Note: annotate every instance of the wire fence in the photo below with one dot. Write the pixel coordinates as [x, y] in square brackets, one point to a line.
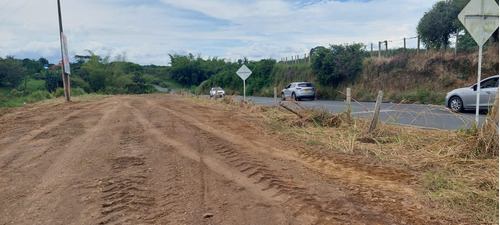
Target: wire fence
[372, 49]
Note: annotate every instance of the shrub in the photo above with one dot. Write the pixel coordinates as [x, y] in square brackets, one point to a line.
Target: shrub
[112, 90]
[39, 96]
[150, 79]
[165, 84]
[59, 92]
[16, 93]
[77, 82]
[77, 91]
[3, 98]
[337, 64]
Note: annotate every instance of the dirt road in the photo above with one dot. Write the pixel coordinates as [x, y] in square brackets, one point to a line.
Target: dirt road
[160, 159]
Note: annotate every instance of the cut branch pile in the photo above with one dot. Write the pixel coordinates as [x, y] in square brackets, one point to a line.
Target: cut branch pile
[322, 118]
[302, 111]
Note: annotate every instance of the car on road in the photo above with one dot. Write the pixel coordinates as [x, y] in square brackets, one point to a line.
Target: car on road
[217, 91]
[298, 91]
[462, 99]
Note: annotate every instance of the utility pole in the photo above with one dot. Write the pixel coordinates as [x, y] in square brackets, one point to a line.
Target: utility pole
[65, 58]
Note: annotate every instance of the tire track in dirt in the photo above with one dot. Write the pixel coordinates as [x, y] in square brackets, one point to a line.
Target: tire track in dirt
[259, 178]
[124, 193]
[46, 134]
[133, 193]
[393, 195]
[316, 160]
[45, 120]
[48, 165]
[195, 151]
[170, 200]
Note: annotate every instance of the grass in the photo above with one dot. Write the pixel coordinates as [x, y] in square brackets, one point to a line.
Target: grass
[29, 92]
[33, 85]
[35, 91]
[451, 172]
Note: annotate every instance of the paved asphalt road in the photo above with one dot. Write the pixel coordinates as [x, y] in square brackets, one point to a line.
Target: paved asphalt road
[427, 116]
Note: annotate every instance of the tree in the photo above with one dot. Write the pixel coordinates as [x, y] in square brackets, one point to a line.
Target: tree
[261, 75]
[11, 72]
[436, 26]
[32, 66]
[188, 70]
[53, 80]
[466, 43]
[43, 61]
[339, 63]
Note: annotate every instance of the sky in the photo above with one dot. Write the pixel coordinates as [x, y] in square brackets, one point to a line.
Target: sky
[147, 31]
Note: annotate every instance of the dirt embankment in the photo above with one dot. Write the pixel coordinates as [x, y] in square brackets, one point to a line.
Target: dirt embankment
[429, 73]
[159, 159]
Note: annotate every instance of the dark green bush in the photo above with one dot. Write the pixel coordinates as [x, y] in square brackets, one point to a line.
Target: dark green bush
[39, 96]
[77, 91]
[59, 92]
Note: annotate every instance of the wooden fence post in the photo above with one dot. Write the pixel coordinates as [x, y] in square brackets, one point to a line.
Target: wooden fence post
[348, 103]
[386, 49]
[456, 43]
[418, 44]
[275, 97]
[377, 111]
[379, 47]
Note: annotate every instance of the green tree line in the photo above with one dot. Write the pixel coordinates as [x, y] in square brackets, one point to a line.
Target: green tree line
[29, 80]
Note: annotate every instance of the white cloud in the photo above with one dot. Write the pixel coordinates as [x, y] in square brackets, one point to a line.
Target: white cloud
[149, 30]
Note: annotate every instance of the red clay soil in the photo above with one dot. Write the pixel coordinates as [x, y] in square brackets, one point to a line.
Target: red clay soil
[161, 159]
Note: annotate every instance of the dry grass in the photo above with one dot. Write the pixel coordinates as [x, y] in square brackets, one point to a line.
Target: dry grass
[432, 73]
[454, 173]
[487, 137]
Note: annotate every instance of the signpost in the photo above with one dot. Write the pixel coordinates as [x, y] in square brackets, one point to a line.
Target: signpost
[65, 58]
[480, 18]
[244, 73]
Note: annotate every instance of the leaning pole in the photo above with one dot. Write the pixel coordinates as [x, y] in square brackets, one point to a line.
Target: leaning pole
[64, 56]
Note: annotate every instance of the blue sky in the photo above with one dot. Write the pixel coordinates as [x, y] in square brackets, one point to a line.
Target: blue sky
[146, 31]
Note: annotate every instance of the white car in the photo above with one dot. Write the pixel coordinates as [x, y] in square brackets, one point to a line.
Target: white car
[217, 92]
[298, 91]
[462, 99]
